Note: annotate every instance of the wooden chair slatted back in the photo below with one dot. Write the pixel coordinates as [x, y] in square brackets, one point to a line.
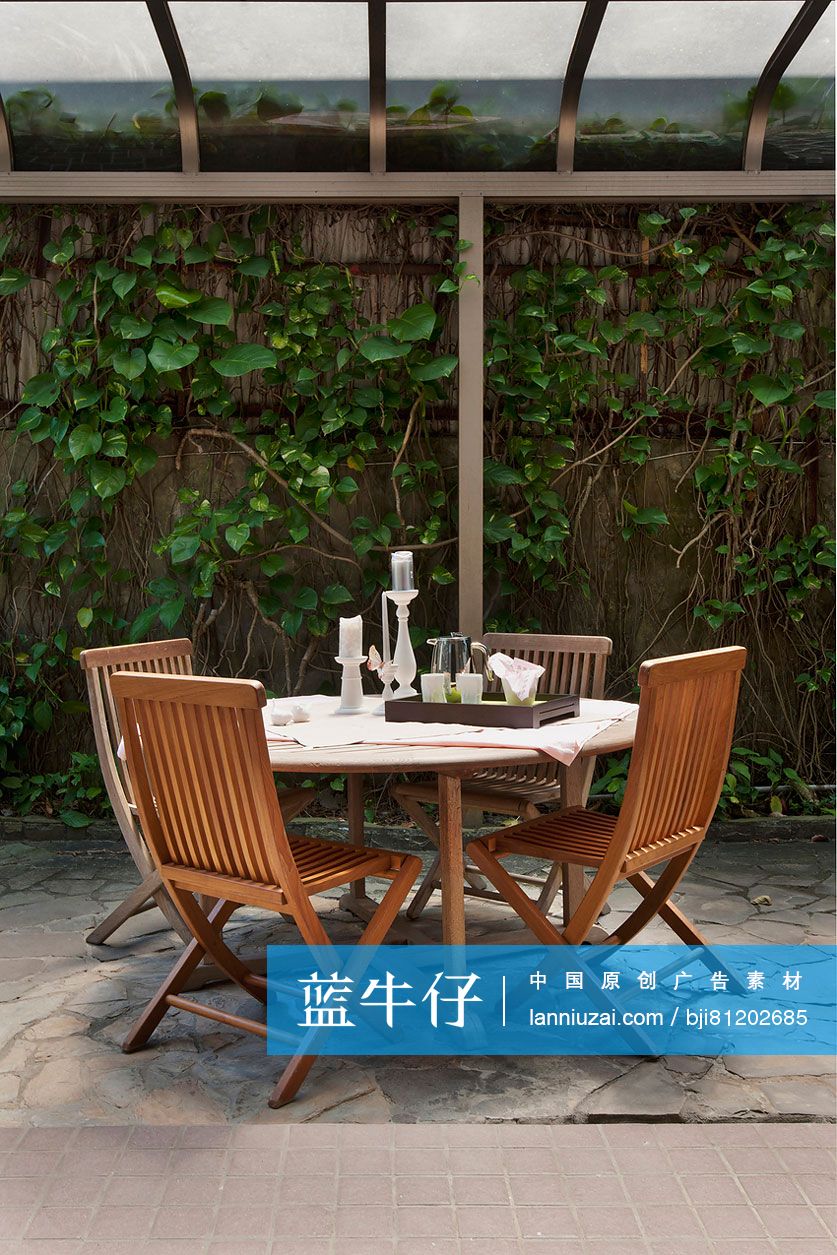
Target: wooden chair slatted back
[198, 757]
[172, 657]
[681, 750]
[573, 664]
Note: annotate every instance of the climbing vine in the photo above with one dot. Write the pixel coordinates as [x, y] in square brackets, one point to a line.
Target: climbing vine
[219, 423]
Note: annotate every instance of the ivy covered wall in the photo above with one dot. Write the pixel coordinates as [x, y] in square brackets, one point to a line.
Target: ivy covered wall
[217, 422]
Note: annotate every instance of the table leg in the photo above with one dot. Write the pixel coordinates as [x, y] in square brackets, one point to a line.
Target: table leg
[452, 858]
[356, 901]
[354, 789]
[573, 882]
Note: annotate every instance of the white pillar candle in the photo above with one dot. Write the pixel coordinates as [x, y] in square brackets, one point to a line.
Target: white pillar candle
[351, 637]
[401, 568]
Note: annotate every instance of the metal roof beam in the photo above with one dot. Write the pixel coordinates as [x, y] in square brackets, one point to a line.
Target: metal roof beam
[787, 48]
[377, 17]
[585, 39]
[187, 112]
[6, 161]
[695, 186]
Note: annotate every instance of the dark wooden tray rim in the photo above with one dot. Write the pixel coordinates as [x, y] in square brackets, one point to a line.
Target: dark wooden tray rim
[492, 712]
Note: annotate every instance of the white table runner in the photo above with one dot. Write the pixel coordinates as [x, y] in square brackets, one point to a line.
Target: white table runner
[326, 729]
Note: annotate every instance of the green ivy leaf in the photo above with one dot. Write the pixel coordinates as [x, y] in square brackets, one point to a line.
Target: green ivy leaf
[115, 444]
[131, 328]
[237, 536]
[183, 548]
[84, 617]
[13, 280]
[379, 349]
[41, 390]
[439, 368]
[306, 599]
[107, 480]
[641, 321]
[171, 296]
[212, 310]
[825, 400]
[164, 356]
[768, 391]
[416, 323]
[129, 364]
[335, 595]
[84, 441]
[291, 621]
[74, 819]
[170, 612]
[256, 266]
[124, 283]
[142, 625]
[242, 358]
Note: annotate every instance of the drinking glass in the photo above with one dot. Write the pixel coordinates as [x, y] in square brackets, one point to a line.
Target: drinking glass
[433, 685]
[470, 687]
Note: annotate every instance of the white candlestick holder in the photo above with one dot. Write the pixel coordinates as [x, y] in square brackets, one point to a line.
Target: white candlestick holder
[404, 658]
[351, 688]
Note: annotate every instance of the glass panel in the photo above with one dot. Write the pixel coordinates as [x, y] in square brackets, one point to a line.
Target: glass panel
[800, 130]
[86, 87]
[476, 86]
[279, 86]
[669, 85]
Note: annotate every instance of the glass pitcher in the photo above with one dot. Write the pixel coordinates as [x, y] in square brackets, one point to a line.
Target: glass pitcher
[453, 653]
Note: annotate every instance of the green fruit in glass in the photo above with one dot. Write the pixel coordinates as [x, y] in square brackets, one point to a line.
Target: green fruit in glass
[454, 695]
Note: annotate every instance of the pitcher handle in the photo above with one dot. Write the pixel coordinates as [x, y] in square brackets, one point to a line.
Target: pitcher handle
[489, 674]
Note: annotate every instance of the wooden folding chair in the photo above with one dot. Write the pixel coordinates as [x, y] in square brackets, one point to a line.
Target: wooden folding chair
[683, 737]
[573, 664]
[198, 759]
[156, 658]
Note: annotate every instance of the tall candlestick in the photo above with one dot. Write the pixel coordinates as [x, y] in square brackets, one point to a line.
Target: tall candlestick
[403, 657]
[401, 569]
[351, 637]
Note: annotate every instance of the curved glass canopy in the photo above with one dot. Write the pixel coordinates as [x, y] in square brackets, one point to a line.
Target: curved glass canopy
[278, 86]
[416, 85]
[86, 87]
[476, 86]
[670, 83]
[800, 128]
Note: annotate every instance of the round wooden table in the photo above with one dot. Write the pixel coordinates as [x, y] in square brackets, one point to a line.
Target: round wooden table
[451, 765]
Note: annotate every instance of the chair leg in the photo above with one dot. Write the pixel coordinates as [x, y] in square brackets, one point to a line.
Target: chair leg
[550, 888]
[425, 890]
[296, 801]
[174, 983]
[375, 931]
[654, 899]
[519, 901]
[139, 900]
[676, 920]
[213, 945]
[422, 820]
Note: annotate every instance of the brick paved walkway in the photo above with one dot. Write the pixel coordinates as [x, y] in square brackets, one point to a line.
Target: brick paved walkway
[745, 1189]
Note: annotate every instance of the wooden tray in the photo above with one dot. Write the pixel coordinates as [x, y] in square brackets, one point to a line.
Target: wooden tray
[492, 712]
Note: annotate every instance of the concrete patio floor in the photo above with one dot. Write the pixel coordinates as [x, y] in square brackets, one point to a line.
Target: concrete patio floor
[65, 1007]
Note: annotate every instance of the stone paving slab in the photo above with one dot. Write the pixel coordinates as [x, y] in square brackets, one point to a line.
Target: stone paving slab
[635, 1189]
[66, 1007]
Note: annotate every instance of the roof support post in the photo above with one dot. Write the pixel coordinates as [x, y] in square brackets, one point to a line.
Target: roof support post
[585, 38]
[6, 163]
[471, 416]
[377, 16]
[787, 48]
[187, 112]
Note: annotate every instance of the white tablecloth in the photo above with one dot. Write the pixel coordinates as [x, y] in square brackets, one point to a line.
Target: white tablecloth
[562, 740]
